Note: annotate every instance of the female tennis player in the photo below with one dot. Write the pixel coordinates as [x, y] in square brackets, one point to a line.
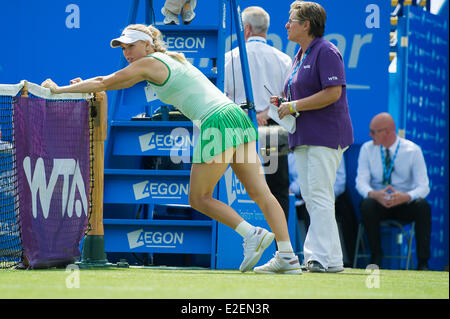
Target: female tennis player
[225, 130]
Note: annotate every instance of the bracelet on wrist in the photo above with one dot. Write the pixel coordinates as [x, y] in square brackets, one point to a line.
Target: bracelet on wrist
[291, 107]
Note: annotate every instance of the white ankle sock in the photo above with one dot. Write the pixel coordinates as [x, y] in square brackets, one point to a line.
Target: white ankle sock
[243, 228]
[285, 249]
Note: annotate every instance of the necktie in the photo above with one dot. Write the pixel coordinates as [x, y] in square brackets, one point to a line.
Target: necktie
[387, 165]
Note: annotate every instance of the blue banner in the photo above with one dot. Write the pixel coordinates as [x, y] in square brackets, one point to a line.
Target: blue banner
[74, 42]
[424, 61]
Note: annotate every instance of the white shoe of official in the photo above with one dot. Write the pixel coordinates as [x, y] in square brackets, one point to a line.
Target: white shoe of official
[255, 242]
[187, 16]
[169, 17]
[280, 265]
[335, 269]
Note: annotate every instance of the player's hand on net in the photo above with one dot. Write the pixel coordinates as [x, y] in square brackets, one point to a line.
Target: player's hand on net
[51, 85]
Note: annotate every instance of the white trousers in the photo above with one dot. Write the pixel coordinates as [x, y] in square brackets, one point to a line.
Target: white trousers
[316, 167]
[176, 6]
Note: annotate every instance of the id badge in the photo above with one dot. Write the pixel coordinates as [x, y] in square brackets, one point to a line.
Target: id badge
[150, 93]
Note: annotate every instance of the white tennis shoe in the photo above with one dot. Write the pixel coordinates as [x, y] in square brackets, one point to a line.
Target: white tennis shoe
[280, 265]
[187, 16]
[255, 242]
[169, 17]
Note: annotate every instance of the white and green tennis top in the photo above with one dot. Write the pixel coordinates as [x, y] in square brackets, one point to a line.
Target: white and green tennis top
[188, 89]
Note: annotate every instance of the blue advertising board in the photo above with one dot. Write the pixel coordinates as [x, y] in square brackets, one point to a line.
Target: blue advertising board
[192, 237]
[74, 42]
[424, 61]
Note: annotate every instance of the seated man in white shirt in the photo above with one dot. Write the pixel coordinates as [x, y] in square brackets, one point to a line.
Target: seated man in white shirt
[345, 213]
[392, 179]
[269, 68]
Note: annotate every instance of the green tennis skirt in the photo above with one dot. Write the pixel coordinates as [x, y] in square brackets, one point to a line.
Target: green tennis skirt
[229, 126]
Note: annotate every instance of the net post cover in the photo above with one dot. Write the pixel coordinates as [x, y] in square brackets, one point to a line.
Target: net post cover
[52, 153]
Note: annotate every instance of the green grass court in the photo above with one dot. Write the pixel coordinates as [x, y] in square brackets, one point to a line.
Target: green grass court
[185, 283]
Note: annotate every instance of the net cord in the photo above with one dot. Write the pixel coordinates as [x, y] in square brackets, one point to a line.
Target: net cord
[39, 91]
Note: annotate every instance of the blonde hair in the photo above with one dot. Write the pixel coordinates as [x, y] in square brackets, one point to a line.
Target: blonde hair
[158, 43]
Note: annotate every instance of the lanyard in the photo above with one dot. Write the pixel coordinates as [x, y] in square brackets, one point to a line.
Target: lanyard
[388, 171]
[289, 96]
[257, 40]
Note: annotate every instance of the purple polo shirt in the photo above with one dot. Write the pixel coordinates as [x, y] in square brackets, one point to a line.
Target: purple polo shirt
[330, 126]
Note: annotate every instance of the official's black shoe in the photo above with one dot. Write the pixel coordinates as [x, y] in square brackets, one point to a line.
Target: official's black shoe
[423, 267]
[376, 260]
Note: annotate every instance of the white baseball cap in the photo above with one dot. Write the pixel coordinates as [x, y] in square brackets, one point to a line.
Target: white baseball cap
[130, 36]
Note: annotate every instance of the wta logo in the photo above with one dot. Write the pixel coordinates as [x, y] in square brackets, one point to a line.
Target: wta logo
[72, 181]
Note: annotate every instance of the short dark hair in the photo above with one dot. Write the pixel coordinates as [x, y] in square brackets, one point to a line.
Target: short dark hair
[314, 13]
